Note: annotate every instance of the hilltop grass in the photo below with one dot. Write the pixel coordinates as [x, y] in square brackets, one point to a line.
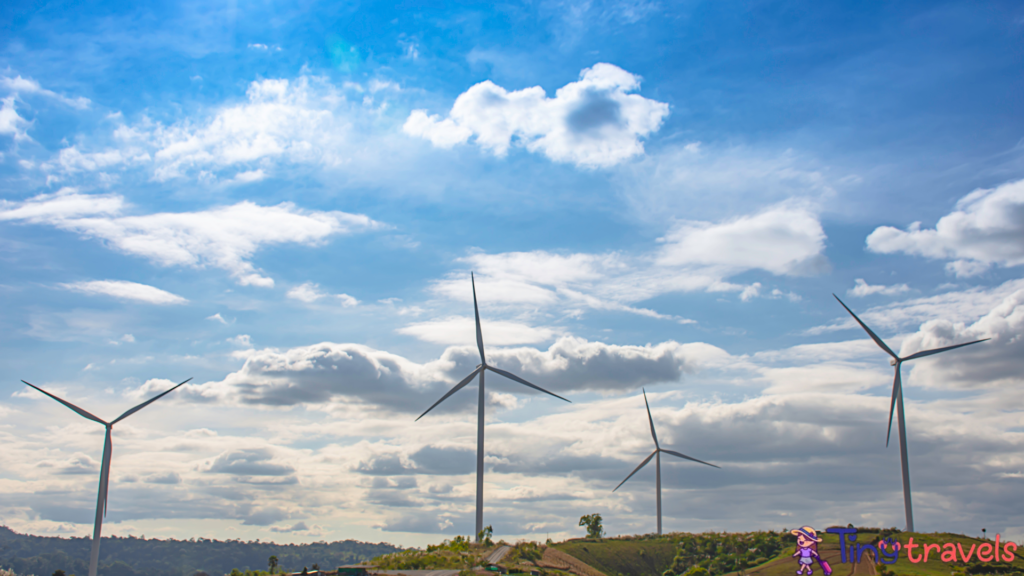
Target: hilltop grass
[624, 556]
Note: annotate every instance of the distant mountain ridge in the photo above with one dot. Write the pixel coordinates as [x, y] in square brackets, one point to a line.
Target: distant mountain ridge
[131, 556]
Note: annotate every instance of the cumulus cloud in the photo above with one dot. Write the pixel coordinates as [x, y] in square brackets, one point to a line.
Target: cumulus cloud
[863, 289]
[126, 291]
[987, 228]
[782, 240]
[310, 292]
[224, 237]
[593, 122]
[254, 462]
[324, 372]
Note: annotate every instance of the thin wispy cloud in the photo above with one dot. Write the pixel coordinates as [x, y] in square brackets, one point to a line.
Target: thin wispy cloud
[124, 290]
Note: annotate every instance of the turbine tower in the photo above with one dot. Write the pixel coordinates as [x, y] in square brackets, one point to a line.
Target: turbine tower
[657, 455]
[101, 500]
[479, 370]
[897, 403]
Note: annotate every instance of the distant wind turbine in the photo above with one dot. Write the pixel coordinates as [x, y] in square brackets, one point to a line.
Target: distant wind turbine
[657, 456]
[897, 403]
[101, 500]
[480, 369]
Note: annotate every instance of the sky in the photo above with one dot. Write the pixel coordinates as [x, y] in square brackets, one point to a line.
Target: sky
[284, 202]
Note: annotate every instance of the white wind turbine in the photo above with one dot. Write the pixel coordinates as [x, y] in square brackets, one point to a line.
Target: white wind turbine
[101, 499]
[657, 455]
[479, 370]
[897, 404]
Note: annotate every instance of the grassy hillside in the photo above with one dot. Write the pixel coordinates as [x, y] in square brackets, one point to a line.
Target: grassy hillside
[627, 556]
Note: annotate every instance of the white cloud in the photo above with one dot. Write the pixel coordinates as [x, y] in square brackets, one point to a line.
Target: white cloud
[310, 292]
[217, 318]
[21, 85]
[693, 256]
[462, 330]
[241, 340]
[782, 240]
[987, 228]
[10, 123]
[327, 371]
[594, 122]
[248, 177]
[225, 237]
[863, 289]
[295, 121]
[955, 306]
[125, 291]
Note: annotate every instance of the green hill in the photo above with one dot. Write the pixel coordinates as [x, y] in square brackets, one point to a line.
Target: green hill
[625, 556]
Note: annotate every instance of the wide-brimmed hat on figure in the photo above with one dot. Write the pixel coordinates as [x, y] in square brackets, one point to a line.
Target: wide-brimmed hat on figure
[807, 532]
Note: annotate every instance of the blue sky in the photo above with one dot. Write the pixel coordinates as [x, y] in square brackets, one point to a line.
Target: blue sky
[650, 194]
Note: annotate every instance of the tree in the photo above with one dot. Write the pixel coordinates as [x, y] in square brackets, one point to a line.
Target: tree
[484, 537]
[316, 567]
[272, 562]
[58, 573]
[593, 524]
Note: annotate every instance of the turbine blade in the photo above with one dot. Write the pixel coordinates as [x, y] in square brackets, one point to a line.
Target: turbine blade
[651, 420]
[69, 405]
[674, 453]
[476, 312]
[512, 376]
[146, 403]
[642, 464]
[457, 387]
[897, 383]
[868, 330]
[924, 353]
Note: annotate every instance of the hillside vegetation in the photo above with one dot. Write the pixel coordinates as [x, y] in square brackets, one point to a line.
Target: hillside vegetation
[765, 554]
[42, 555]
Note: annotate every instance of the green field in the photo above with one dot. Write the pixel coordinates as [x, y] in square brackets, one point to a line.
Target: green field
[638, 556]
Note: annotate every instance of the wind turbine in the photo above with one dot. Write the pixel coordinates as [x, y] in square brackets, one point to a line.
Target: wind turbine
[101, 500]
[897, 403]
[657, 455]
[479, 370]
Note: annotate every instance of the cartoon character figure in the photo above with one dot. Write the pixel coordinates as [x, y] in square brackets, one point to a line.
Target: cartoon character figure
[807, 551]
